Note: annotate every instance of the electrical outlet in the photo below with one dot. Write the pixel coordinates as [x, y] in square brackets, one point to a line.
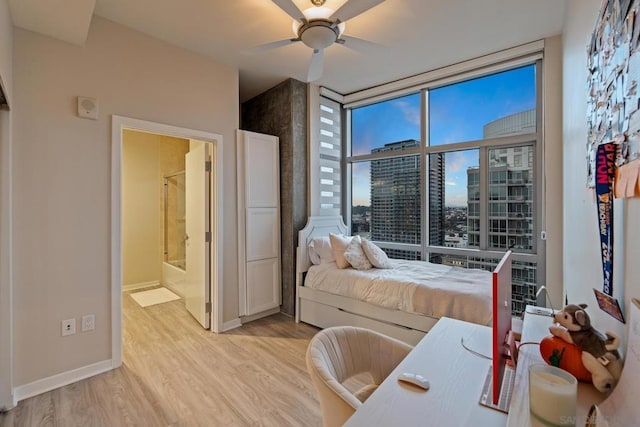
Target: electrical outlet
[68, 327]
[88, 322]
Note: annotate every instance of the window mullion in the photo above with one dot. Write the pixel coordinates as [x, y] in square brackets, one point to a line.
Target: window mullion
[347, 188]
[484, 197]
[424, 173]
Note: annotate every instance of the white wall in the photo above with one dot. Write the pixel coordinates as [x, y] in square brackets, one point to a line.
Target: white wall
[6, 73]
[6, 50]
[582, 264]
[141, 259]
[62, 176]
[552, 116]
[146, 159]
[6, 316]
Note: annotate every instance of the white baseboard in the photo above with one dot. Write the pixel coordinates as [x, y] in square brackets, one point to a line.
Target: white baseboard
[232, 324]
[10, 404]
[59, 380]
[178, 290]
[251, 318]
[142, 285]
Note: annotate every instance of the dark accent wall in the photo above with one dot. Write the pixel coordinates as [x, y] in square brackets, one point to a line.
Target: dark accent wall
[282, 111]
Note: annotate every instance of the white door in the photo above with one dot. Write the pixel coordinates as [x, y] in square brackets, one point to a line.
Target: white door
[198, 244]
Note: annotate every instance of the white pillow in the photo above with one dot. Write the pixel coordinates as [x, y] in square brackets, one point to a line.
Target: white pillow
[377, 257]
[356, 256]
[320, 251]
[339, 244]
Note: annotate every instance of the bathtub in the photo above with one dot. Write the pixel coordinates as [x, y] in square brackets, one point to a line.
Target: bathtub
[173, 277]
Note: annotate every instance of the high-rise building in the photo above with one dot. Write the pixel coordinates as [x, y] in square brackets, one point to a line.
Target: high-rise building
[509, 204]
[436, 204]
[396, 198]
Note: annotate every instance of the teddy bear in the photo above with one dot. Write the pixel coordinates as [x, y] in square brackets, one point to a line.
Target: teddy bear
[599, 352]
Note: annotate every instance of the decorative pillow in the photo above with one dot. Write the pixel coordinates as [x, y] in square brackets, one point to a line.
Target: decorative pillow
[376, 256]
[314, 256]
[356, 256]
[320, 251]
[339, 244]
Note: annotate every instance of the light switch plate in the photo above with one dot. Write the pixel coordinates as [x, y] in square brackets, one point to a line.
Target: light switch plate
[88, 322]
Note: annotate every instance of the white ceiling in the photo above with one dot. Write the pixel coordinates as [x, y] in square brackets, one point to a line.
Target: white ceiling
[413, 36]
[66, 20]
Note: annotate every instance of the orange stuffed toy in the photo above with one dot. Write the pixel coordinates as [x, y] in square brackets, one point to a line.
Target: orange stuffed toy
[559, 353]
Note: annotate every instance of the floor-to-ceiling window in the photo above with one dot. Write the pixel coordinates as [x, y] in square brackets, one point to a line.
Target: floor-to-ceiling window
[449, 173]
[386, 180]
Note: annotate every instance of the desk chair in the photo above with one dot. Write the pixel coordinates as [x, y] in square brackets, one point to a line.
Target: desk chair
[336, 354]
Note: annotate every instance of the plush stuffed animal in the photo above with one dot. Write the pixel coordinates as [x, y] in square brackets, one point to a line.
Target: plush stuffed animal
[599, 353]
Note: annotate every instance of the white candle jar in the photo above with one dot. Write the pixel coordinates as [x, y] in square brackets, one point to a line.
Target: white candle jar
[552, 395]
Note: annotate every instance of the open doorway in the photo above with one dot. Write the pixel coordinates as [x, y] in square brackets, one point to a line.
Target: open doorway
[160, 229]
[166, 184]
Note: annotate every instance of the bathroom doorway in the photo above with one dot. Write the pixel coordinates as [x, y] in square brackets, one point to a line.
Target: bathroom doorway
[165, 226]
[165, 239]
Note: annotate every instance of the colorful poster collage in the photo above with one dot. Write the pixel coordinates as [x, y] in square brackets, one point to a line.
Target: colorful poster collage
[613, 61]
[613, 117]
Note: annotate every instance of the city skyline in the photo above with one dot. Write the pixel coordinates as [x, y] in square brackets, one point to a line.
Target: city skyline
[457, 113]
[395, 212]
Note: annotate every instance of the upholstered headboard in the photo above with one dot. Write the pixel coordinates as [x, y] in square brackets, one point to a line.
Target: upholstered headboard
[316, 226]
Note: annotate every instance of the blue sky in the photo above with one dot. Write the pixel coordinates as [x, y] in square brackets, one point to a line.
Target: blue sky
[457, 113]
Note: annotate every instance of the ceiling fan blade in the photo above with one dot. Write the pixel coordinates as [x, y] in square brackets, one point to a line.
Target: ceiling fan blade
[315, 67]
[353, 8]
[268, 46]
[358, 44]
[290, 8]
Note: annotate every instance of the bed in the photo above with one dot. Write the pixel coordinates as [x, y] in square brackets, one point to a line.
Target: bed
[404, 301]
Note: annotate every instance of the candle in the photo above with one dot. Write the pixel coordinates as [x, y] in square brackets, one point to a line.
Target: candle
[552, 395]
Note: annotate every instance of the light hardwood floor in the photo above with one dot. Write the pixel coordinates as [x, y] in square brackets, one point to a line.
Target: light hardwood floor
[177, 374]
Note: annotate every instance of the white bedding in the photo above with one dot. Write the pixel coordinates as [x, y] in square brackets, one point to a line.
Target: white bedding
[412, 286]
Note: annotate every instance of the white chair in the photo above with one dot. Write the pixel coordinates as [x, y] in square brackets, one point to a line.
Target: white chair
[336, 354]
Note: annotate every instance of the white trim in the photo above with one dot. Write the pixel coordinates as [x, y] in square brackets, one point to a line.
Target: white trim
[7, 398]
[60, 380]
[509, 58]
[242, 221]
[328, 93]
[231, 324]
[118, 124]
[260, 315]
[217, 229]
[313, 149]
[141, 285]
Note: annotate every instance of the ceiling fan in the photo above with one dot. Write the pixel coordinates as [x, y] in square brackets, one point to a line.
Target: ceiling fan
[319, 27]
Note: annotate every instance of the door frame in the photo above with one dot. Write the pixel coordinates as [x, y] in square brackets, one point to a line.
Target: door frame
[118, 125]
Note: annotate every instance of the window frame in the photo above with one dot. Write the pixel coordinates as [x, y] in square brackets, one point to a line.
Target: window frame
[332, 206]
[535, 139]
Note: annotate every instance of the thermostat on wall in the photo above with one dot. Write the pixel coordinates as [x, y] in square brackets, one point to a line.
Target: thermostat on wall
[88, 108]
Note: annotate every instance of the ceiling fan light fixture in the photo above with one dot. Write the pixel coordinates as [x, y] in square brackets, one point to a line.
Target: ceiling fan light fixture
[317, 18]
[319, 27]
[318, 36]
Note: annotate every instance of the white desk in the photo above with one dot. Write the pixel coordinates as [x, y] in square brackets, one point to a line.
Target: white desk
[534, 329]
[456, 378]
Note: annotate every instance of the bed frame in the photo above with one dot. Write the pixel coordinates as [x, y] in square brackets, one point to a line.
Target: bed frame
[324, 309]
